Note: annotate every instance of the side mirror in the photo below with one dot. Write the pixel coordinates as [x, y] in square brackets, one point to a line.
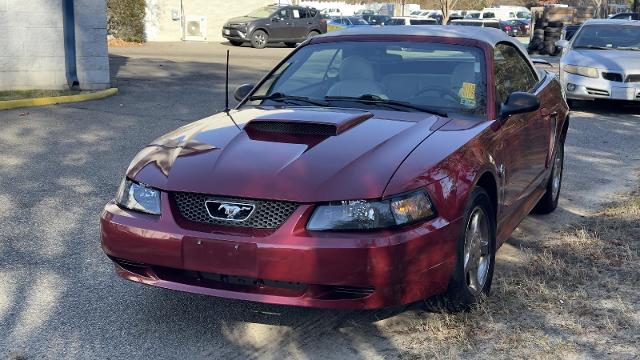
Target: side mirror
[519, 103]
[562, 44]
[242, 91]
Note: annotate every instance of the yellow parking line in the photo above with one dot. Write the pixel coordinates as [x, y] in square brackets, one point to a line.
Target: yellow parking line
[13, 104]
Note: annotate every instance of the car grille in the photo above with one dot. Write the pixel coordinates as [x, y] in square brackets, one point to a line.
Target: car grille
[597, 92]
[611, 76]
[633, 78]
[267, 214]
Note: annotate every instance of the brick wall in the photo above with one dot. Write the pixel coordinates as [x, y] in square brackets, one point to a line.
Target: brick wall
[32, 46]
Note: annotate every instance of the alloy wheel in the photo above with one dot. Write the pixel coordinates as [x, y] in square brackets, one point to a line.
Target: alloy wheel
[557, 173]
[477, 257]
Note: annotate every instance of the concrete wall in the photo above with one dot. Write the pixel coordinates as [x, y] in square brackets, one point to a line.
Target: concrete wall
[32, 46]
[161, 27]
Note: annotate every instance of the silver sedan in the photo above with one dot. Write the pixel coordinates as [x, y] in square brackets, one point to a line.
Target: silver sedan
[602, 61]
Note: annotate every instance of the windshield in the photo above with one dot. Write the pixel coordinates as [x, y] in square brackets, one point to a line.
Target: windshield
[262, 12]
[442, 77]
[608, 37]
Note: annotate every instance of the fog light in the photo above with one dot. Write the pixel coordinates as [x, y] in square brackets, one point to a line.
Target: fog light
[571, 87]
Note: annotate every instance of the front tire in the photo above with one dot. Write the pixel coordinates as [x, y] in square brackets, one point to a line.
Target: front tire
[475, 257]
[259, 39]
[549, 201]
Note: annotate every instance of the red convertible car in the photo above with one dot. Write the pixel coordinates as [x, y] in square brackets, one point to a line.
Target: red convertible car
[372, 167]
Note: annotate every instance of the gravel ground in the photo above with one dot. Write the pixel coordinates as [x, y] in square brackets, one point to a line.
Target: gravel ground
[59, 297]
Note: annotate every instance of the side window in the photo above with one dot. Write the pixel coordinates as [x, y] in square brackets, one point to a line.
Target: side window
[312, 13]
[297, 13]
[512, 72]
[284, 14]
[339, 21]
[488, 15]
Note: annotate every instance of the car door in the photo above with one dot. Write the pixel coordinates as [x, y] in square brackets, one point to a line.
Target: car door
[301, 23]
[281, 24]
[524, 139]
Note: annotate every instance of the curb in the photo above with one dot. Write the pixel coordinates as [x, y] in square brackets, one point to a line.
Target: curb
[13, 104]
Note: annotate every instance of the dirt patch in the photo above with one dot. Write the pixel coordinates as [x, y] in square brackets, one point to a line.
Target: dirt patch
[113, 42]
[572, 295]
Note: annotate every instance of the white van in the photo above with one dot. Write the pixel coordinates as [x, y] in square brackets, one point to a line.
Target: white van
[498, 13]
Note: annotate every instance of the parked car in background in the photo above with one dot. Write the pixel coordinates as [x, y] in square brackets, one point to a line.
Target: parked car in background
[510, 27]
[271, 24]
[364, 12]
[454, 17]
[343, 22]
[373, 168]
[524, 25]
[376, 19]
[626, 16]
[410, 20]
[492, 23]
[332, 12]
[568, 31]
[602, 61]
[498, 13]
[473, 14]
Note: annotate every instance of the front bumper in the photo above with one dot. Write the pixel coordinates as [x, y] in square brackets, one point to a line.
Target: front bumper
[590, 88]
[289, 266]
[230, 33]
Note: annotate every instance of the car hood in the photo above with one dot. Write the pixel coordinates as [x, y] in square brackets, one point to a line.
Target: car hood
[620, 60]
[298, 154]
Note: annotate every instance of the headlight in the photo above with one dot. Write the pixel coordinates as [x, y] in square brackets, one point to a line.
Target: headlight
[370, 215]
[138, 197]
[581, 70]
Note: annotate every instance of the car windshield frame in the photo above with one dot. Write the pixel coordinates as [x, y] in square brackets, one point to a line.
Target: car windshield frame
[474, 51]
[598, 44]
[271, 10]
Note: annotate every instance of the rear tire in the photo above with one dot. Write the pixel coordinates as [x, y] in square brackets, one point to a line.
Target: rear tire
[312, 33]
[235, 42]
[549, 201]
[259, 39]
[475, 258]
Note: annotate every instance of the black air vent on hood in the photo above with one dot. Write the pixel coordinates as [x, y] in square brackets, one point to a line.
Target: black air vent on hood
[319, 123]
[293, 128]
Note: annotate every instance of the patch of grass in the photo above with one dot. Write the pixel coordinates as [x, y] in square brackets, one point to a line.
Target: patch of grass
[30, 94]
[576, 296]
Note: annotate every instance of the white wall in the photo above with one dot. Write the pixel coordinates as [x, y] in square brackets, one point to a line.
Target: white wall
[159, 25]
[32, 46]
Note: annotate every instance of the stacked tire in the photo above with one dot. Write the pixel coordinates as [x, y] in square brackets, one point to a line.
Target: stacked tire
[536, 44]
[551, 35]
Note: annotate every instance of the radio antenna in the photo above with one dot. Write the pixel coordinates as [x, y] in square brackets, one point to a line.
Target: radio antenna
[226, 86]
[226, 93]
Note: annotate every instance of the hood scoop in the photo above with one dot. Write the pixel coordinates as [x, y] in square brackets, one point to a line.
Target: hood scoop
[320, 123]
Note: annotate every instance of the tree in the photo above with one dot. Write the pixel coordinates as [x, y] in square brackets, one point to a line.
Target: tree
[446, 6]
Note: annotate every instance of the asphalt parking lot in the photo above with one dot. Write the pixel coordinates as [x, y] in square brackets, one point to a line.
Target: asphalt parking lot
[59, 165]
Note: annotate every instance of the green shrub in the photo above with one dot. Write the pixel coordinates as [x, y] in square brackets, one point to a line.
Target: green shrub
[125, 19]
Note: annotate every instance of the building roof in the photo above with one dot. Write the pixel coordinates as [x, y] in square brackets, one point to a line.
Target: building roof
[488, 35]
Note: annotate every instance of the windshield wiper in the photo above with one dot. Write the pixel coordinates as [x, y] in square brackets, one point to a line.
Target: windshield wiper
[375, 99]
[634, 48]
[280, 97]
[592, 47]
